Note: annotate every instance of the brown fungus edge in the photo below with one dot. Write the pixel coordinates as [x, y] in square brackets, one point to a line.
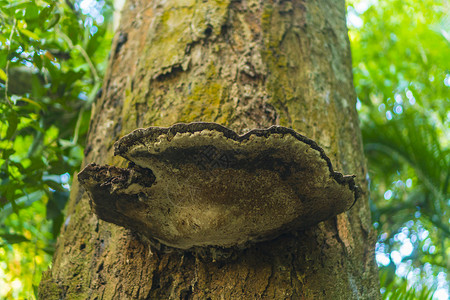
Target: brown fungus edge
[126, 142]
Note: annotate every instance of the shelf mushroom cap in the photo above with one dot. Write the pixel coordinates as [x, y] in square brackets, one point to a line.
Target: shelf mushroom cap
[201, 184]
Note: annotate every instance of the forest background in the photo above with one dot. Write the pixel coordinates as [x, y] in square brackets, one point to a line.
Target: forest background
[53, 57]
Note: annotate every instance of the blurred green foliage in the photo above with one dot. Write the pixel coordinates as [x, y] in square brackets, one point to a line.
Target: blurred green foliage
[401, 62]
[52, 57]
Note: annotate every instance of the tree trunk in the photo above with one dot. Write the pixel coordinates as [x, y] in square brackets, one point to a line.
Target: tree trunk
[243, 64]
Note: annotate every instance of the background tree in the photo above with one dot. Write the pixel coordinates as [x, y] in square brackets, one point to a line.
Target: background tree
[245, 65]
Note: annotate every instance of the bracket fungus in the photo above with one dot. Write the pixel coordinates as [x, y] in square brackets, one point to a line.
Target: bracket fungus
[201, 184]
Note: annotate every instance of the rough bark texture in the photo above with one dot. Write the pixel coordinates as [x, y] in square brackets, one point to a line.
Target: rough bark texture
[243, 64]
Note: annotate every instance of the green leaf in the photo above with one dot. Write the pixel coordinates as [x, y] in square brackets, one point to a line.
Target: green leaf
[38, 90]
[13, 238]
[55, 185]
[3, 40]
[45, 13]
[3, 75]
[37, 60]
[3, 57]
[29, 34]
[6, 153]
[31, 102]
[54, 21]
[36, 291]
[12, 121]
[31, 11]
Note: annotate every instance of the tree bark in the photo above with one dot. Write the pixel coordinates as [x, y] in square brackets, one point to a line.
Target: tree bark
[245, 65]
